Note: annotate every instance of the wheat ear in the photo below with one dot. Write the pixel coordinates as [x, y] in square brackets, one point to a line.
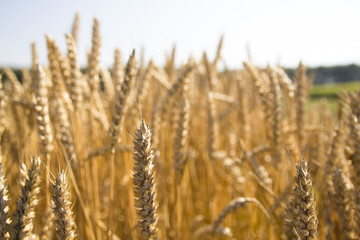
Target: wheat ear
[170, 65]
[42, 112]
[93, 65]
[60, 73]
[276, 116]
[35, 59]
[121, 105]
[117, 71]
[63, 66]
[144, 184]
[261, 85]
[218, 51]
[176, 87]
[17, 88]
[345, 205]
[64, 222]
[181, 138]
[306, 219]
[23, 218]
[26, 79]
[43, 121]
[109, 89]
[75, 27]
[301, 98]
[75, 74]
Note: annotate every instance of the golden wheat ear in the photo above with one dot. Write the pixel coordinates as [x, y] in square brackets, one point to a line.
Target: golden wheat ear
[23, 218]
[144, 183]
[94, 62]
[41, 103]
[121, 104]
[305, 220]
[75, 27]
[64, 219]
[301, 94]
[181, 139]
[344, 204]
[75, 73]
[218, 56]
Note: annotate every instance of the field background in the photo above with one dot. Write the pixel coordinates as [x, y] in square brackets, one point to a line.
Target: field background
[330, 93]
[128, 121]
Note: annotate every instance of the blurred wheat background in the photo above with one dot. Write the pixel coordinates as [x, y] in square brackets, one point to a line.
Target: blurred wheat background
[197, 150]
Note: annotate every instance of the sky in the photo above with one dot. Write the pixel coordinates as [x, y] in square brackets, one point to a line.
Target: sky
[317, 32]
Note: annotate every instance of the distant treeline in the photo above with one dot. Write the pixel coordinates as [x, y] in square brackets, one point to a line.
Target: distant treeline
[333, 74]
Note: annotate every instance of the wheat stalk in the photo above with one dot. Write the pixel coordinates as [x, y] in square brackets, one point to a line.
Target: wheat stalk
[230, 208]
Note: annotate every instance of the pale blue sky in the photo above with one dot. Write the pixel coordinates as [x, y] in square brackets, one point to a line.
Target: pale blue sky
[318, 32]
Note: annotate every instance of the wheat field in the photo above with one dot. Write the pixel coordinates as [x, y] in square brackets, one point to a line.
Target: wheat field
[143, 151]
